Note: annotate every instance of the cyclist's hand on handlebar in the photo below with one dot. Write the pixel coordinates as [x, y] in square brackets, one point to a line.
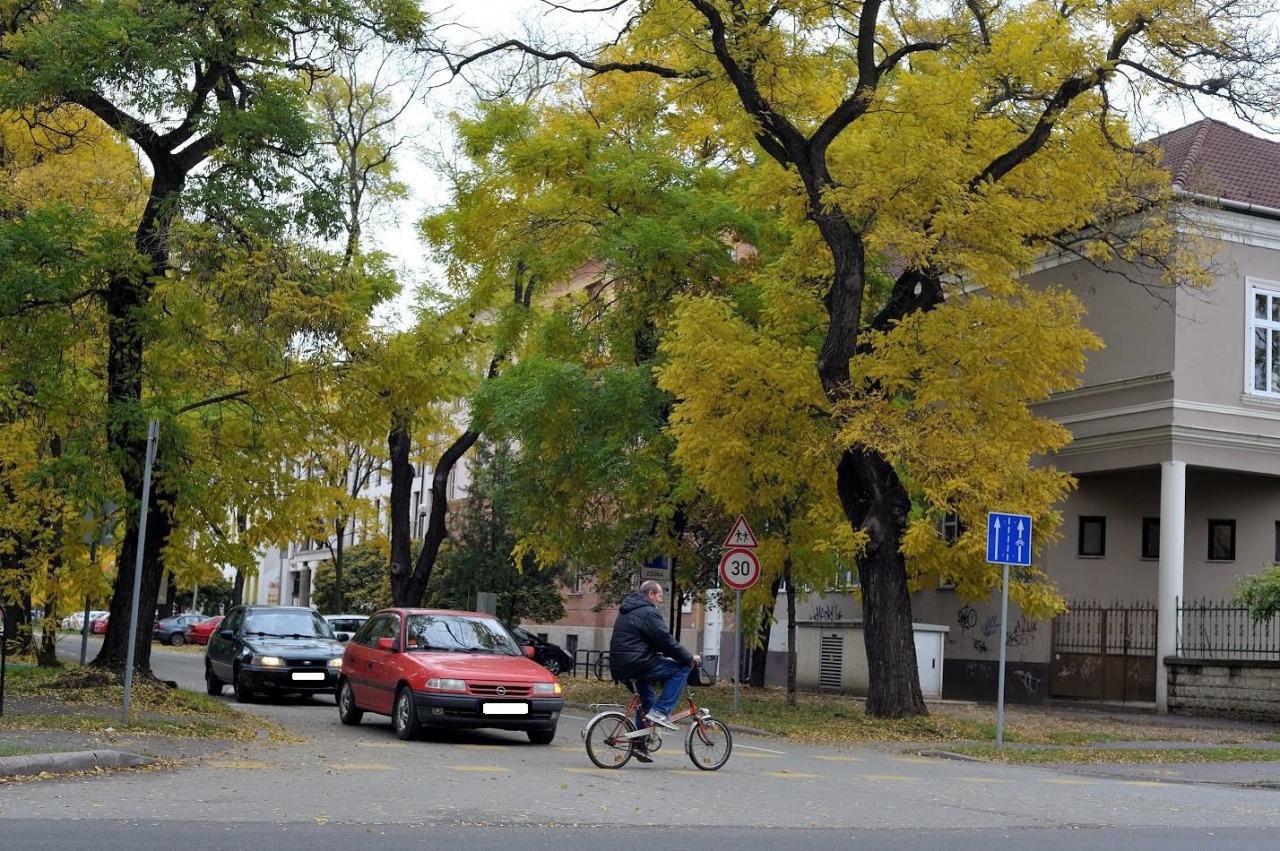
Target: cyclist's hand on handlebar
[697, 660]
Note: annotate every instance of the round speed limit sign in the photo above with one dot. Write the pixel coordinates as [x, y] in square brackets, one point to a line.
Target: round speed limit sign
[739, 568]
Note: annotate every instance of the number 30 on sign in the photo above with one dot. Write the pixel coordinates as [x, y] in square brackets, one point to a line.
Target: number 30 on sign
[739, 568]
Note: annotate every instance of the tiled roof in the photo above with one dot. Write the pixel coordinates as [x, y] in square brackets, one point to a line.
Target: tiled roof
[1215, 159]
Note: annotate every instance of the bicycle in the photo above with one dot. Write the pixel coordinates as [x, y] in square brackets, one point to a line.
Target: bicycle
[611, 736]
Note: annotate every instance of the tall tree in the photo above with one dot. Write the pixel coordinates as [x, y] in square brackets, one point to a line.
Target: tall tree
[961, 139]
[227, 94]
[587, 197]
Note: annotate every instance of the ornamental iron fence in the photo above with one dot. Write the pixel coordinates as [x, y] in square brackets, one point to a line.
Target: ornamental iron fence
[1226, 631]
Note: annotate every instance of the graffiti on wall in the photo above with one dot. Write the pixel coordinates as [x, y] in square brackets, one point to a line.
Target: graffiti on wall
[826, 613]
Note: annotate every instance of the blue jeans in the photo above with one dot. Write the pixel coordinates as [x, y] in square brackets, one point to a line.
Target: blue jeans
[672, 675]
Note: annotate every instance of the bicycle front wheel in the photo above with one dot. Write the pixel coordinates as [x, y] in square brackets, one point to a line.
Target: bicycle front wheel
[606, 739]
[709, 743]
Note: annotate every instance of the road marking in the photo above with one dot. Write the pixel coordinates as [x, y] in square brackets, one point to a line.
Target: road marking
[738, 752]
[478, 768]
[791, 775]
[893, 778]
[981, 780]
[362, 766]
[396, 745]
[1063, 781]
[914, 760]
[762, 750]
[839, 758]
[236, 763]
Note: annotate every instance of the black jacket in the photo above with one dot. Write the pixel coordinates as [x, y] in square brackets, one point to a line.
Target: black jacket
[639, 638]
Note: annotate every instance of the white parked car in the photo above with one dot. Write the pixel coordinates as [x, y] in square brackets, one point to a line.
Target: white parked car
[76, 620]
[345, 625]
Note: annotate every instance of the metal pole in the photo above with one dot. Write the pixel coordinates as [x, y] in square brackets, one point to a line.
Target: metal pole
[737, 644]
[4, 656]
[1004, 621]
[84, 624]
[153, 436]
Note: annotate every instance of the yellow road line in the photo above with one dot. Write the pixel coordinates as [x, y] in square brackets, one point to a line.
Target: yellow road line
[839, 758]
[1065, 782]
[790, 775]
[982, 780]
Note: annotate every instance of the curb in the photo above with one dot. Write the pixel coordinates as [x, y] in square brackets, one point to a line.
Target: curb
[61, 763]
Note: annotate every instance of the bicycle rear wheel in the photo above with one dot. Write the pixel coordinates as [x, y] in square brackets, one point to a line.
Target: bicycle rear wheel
[606, 739]
[708, 743]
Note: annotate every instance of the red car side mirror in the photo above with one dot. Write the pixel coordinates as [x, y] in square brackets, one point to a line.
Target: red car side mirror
[386, 644]
[528, 650]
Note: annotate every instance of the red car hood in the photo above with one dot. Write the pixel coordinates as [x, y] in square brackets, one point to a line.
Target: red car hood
[515, 669]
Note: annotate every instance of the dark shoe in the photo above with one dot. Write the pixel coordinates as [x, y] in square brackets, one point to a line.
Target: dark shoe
[641, 754]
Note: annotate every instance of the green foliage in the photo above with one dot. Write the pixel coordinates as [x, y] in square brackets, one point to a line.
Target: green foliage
[1260, 592]
[481, 559]
[213, 597]
[366, 582]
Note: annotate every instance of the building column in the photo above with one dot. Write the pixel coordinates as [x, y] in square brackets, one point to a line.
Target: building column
[1173, 513]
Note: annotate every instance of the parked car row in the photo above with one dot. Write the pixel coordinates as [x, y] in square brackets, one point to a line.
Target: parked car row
[421, 667]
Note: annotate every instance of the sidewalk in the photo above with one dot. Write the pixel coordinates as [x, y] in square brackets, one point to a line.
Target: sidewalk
[111, 746]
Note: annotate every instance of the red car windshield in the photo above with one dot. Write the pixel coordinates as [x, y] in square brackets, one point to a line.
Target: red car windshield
[458, 634]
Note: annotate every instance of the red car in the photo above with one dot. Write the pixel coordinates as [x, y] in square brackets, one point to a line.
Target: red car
[98, 626]
[439, 668]
[198, 633]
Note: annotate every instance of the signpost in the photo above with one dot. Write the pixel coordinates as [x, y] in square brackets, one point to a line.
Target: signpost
[1008, 542]
[739, 569]
[153, 439]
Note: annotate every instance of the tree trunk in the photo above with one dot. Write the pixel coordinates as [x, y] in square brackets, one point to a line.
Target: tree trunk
[759, 656]
[115, 644]
[886, 602]
[410, 590]
[127, 297]
[399, 441]
[791, 631]
[338, 549]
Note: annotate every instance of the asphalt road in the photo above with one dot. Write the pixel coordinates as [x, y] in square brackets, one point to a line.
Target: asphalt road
[360, 787]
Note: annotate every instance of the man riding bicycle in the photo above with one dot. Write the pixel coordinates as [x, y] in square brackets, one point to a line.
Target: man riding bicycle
[643, 650]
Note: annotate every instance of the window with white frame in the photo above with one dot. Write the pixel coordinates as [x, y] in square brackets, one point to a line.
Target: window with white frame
[1264, 338]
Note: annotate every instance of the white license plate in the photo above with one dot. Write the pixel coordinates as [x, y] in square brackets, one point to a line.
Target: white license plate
[307, 675]
[505, 709]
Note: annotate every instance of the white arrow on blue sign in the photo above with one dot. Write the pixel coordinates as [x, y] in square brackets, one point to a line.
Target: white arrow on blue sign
[1009, 539]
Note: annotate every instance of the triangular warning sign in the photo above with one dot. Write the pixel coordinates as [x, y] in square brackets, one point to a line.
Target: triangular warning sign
[741, 535]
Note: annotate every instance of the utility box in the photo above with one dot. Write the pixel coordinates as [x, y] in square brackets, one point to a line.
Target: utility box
[833, 657]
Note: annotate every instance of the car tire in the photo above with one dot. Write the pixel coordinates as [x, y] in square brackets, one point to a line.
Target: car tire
[404, 716]
[348, 712]
[552, 665]
[177, 640]
[541, 737]
[212, 684]
[244, 694]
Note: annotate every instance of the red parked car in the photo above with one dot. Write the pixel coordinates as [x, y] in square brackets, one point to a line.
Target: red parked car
[438, 668]
[198, 633]
[98, 626]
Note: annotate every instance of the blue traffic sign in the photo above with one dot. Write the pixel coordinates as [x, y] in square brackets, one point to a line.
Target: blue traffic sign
[1009, 539]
